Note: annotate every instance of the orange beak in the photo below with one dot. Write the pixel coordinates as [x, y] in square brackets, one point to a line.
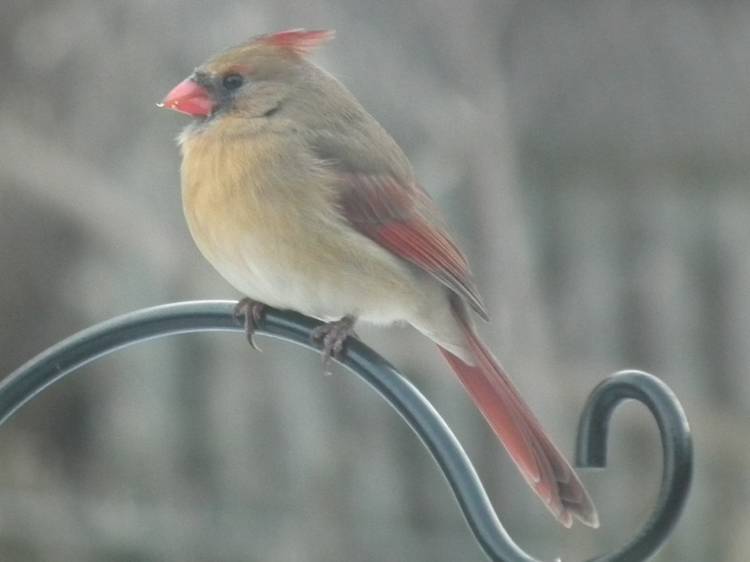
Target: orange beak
[190, 98]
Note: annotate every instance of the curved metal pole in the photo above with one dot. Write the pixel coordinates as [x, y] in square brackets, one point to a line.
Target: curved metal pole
[54, 363]
[677, 448]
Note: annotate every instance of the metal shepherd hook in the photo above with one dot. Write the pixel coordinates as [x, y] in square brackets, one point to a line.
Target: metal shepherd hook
[57, 361]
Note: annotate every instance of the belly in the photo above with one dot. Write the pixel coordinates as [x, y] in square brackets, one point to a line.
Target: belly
[325, 270]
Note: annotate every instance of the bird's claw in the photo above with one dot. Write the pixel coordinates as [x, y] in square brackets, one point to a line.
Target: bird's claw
[332, 337]
[249, 314]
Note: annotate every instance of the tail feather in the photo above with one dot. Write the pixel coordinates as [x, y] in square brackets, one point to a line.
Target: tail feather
[541, 463]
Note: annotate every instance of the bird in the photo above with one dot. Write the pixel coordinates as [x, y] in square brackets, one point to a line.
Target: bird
[301, 200]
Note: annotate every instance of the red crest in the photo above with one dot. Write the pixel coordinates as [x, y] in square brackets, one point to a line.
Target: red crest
[301, 41]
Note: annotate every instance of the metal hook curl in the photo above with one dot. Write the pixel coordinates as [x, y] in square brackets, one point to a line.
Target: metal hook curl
[677, 449]
[57, 361]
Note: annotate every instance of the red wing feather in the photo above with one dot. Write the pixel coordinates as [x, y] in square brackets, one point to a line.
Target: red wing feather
[403, 219]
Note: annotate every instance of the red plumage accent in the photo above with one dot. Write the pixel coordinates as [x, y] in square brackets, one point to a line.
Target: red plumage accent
[428, 248]
[540, 462]
[300, 41]
[404, 220]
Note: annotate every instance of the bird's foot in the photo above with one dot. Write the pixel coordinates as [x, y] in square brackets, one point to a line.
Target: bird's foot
[332, 336]
[249, 314]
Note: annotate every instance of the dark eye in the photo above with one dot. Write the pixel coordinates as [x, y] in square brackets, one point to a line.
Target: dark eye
[232, 81]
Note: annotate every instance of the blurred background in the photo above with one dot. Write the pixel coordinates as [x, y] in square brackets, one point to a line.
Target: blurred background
[591, 157]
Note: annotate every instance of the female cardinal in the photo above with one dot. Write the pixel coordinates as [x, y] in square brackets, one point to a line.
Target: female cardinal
[301, 200]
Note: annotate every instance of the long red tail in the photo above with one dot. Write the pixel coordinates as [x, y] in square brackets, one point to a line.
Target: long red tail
[540, 462]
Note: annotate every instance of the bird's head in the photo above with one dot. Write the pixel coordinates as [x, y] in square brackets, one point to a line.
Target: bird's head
[252, 79]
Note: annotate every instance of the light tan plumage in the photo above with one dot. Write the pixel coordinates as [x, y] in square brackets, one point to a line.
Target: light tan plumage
[301, 200]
